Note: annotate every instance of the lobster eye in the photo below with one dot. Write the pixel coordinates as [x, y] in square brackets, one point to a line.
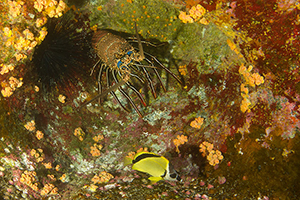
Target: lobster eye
[120, 63]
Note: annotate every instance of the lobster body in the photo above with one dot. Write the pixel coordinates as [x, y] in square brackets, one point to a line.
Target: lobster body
[122, 63]
[114, 50]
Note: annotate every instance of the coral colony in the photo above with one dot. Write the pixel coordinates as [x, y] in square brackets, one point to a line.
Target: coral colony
[229, 131]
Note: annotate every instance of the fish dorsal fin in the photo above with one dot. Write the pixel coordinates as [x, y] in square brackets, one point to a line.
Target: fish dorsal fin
[143, 155]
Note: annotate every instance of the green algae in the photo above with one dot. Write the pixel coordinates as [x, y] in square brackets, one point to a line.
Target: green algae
[155, 19]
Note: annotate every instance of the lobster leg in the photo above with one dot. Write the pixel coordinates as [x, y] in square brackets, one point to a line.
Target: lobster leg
[157, 74]
[150, 82]
[137, 77]
[100, 77]
[112, 92]
[162, 66]
[95, 66]
[126, 95]
[134, 89]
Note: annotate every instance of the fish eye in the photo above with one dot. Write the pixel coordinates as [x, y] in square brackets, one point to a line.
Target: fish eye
[173, 175]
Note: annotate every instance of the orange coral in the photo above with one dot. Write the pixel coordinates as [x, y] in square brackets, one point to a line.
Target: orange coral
[62, 98]
[182, 70]
[196, 13]
[47, 165]
[57, 167]
[251, 79]
[79, 133]
[98, 138]
[179, 140]
[197, 123]
[48, 188]
[63, 178]
[213, 156]
[95, 150]
[185, 18]
[30, 125]
[103, 177]
[39, 134]
[38, 155]
[245, 105]
[11, 86]
[28, 178]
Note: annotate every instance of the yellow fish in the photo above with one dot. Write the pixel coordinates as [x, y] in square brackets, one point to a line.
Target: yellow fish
[155, 165]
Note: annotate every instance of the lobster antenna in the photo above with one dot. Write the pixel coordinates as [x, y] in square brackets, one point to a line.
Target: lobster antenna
[139, 42]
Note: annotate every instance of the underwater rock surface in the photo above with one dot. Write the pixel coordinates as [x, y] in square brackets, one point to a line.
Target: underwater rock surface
[231, 129]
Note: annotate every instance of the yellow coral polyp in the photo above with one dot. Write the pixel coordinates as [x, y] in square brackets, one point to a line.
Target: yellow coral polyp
[181, 139]
[213, 156]
[40, 22]
[196, 13]
[21, 44]
[7, 32]
[204, 21]
[182, 70]
[32, 152]
[251, 79]
[28, 34]
[50, 7]
[51, 11]
[6, 92]
[63, 177]
[47, 165]
[245, 105]
[28, 178]
[62, 98]
[38, 155]
[197, 123]
[39, 135]
[257, 78]
[38, 5]
[206, 147]
[57, 167]
[244, 89]
[20, 56]
[242, 69]
[95, 150]
[42, 34]
[79, 133]
[185, 18]
[103, 177]
[97, 138]
[48, 188]
[15, 8]
[30, 125]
